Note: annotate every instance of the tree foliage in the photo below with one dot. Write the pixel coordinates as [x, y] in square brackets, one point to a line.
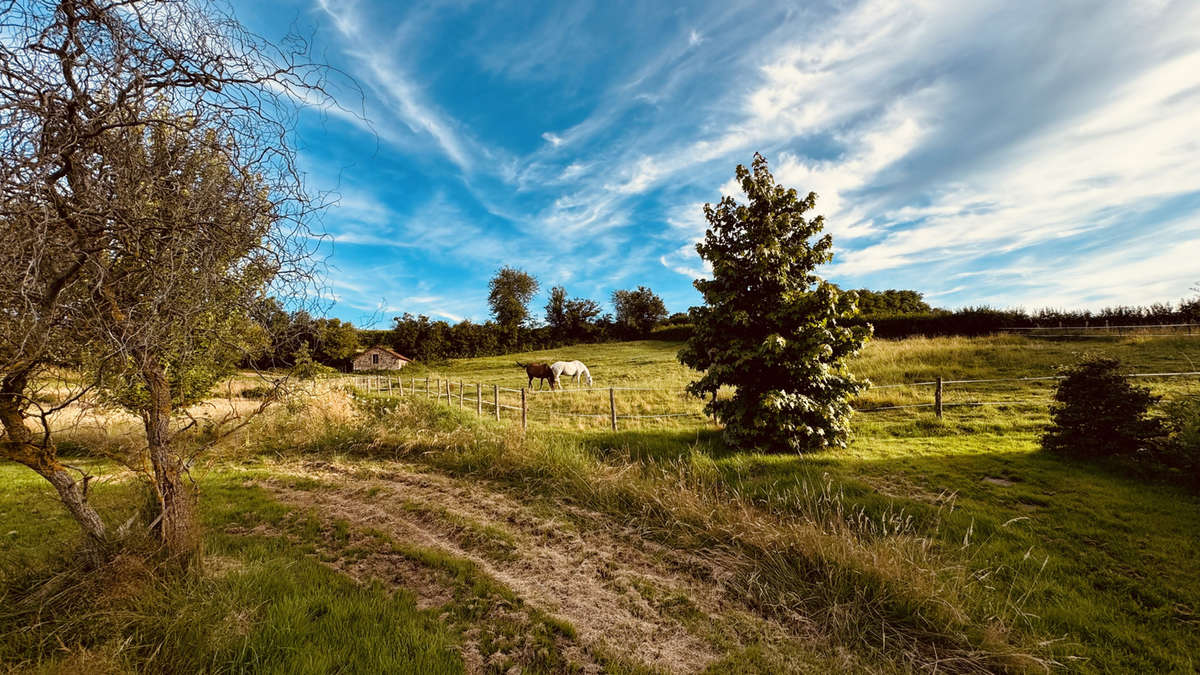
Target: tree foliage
[770, 328]
[76, 79]
[571, 318]
[890, 302]
[1097, 412]
[510, 291]
[638, 310]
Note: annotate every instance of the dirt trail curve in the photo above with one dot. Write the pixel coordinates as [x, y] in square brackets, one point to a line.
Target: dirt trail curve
[619, 591]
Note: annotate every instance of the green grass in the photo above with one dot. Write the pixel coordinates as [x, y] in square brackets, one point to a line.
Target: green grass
[261, 605]
[955, 534]
[652, 365]
[269, 599]
[1093, 562]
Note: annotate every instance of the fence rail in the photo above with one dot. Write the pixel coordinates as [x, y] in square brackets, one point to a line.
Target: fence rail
[455, 391]
[1107, 330]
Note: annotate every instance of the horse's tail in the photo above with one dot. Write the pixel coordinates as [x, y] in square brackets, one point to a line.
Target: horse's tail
[519, 364]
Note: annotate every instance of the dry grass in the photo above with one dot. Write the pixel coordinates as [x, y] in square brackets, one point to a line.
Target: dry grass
[876, 583]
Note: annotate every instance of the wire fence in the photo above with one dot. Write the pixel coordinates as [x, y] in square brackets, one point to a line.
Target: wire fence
[1108, 331]
[620, 406]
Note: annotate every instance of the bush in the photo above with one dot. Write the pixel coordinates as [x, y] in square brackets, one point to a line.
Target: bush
[1098, 413]
[1181, 450]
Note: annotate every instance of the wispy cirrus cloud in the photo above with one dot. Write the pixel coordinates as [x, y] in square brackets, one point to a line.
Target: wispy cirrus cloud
[974, 151]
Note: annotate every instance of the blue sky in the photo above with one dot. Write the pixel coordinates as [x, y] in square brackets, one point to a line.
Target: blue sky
[1010, 153]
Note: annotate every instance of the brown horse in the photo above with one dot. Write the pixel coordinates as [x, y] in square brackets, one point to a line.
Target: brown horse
[540, 371]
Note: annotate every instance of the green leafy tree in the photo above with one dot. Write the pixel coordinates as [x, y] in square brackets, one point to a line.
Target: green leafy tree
[770, 328]
[570, 317]
[336, 342]
[510, 292]
[581, 315]
[197, 244]
[1097, 412]
[556, 310]
[639, 310]
[891, 302]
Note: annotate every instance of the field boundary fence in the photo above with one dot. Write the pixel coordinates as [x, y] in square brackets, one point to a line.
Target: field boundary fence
[476, 395]
[1107, 330]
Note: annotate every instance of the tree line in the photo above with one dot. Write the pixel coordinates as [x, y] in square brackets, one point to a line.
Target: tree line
[513, 326]
[640, 314]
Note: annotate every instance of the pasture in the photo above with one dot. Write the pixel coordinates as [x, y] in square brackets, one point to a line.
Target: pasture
[459, 542]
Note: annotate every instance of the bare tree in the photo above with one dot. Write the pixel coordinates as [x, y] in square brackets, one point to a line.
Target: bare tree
[79, 79]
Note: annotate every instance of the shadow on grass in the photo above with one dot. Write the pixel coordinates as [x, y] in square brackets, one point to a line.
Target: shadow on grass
[1090, 552]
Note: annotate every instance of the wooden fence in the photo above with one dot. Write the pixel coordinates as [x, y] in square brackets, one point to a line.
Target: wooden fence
[491, 399]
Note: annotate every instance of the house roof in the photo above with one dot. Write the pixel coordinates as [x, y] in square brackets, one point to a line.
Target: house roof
[385, 350]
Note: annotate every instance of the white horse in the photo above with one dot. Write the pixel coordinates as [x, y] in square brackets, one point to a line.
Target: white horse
[572, 369]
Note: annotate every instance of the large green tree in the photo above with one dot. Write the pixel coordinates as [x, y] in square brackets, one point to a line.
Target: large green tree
[770, 328]
[509, 294]
[638, 310]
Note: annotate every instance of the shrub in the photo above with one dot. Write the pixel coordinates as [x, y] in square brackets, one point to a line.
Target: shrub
[1098, 413]
[1181, 450]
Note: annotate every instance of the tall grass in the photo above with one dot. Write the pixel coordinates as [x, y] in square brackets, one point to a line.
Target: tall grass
[871, 582]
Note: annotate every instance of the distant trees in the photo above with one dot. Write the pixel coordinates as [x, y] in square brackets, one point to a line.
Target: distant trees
[770, 327]
[890, 302]
[638, 310]
[283, 334]
[556, 309]
[571, 319]
[510, 291]
[581, 318]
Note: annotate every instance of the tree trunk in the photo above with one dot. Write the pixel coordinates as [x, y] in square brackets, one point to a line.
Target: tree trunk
[179, 529]
[21, 446]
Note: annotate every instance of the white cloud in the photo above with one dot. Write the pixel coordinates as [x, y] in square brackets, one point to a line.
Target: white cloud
[385, 75]
[552, 138]
[694, 38]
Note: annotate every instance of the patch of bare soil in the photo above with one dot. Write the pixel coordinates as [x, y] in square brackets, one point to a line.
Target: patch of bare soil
[623, 594]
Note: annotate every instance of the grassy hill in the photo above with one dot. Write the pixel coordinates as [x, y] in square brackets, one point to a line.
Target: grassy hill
[458, 542]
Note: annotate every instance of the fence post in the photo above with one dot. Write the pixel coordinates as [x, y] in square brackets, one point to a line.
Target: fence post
[426, 386]
[460, 394]
[524, 411]
[937, 398]
[414, 385]
[612, 408]
[389, 383]
[496, 398]
[478, 400]
[448, 401]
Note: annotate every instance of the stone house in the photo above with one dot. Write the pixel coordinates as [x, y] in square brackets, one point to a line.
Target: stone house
[379, 358]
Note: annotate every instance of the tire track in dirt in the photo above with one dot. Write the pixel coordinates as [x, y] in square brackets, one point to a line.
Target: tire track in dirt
[608, 583]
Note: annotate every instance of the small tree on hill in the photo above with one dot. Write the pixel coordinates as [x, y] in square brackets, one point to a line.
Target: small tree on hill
[1098, 413]
[639, 311]
[510, 291]
[770, 327]
[556, 310]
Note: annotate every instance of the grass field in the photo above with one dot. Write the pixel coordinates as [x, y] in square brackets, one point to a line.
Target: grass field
[951, 543]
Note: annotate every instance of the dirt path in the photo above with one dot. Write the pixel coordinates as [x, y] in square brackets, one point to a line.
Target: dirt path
[631, 597]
